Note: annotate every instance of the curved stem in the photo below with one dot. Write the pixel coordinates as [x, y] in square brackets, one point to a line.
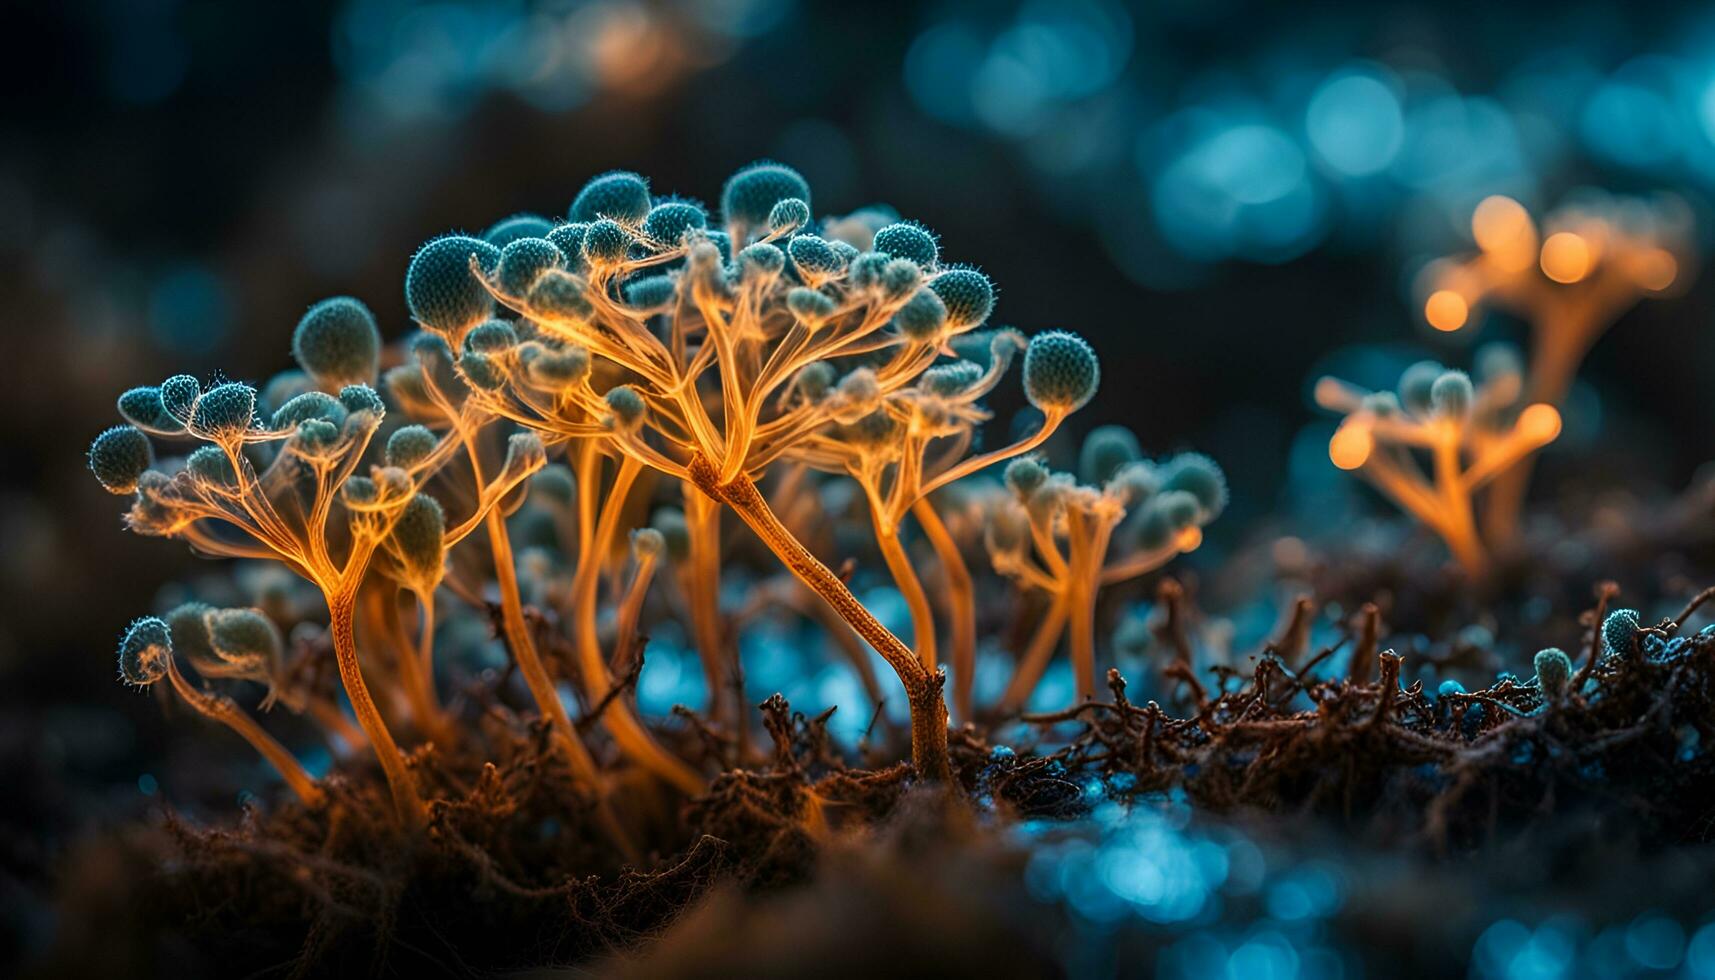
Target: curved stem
[218, 707]
[1036, 656]
[703, 590]
[961, 605]
[922, 688]
[403, 785]
[911, 587]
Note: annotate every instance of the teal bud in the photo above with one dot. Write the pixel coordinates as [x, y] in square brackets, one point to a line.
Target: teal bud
[668, 221]
[810, 305]
[360, 399]
[815, 380]
[179, 395]
[1105, 450]
[360, 490]
[626, 405]
[618, 195]
[1620, 631]
[722, 243]
[1025, 475]
[1498, 360]
[1415, 386]
[651, 292]
[901, 277]
[315, 435]
[1060, 371]
[225, 411]
[815, 259]
[493, 337]
[560, 368]
[119, 456]
[646, 542]
[520, 226]
[606, 243]
[845, 250]
[555, 482]
[866, 269]
[788, 215]
[558, 294]
[523, 261]
[909, 240]
[922, 316]
[211, 464]
[419, 540]
[761, 261]
[950, 379]
[481, 371]
[442, 292]
[337, 342]
[1451, 395]
[410, 445]
[968, 294]
[1448, 688]
[1553, 672]
[1164, 516]
[144, 651]
[524, 453]
[143, 407]
[188, 624]
[1381, 404]
[675, 533]
[569, 239]
[873, 431]
[244, 637]
[750, 195]
[1134, 482]
[1199, 476]
[309, 405]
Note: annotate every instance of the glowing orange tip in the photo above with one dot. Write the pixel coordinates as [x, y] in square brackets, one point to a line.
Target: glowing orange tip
[1446, 310]
[1655, 269]
[1351, 446]
[1566, 257]
[1539, 424]
[1502, 225]
[1190, 539]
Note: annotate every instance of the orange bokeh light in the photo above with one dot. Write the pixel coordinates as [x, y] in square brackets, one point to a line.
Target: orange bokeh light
[1446, 310]
[1566, 257]
[1351, 445]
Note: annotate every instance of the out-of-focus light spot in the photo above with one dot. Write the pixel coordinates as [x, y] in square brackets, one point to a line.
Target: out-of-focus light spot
[1566, 257]
[1631, 119]
[1446, 310]
[937, 68]
[189, 310]
[1503, 228]
[1539, 424]
[1700, 953]
[1655, 269]
[1242, 192]
[1656, 942]
[1351, 446]
[1355, 123]
[147, 785]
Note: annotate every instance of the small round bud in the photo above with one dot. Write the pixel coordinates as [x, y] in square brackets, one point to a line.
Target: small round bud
[410, 445]
[560, 368]
[419, 540]
[922, 317]
[441, 291]
[493, 337]
[788, 215]
[315, 435]
[810, 305]
[722, 243]
[188, 624]
[1553, 673]
[647, 542]
[359, 490]
[362, 400]
[626, 405]
[1134, 482]
[968, 294]
[556, 483]
[210, 464]
[1381, 404]
[143, 407]
[309, 405]
[761, 261]
[651, 292]
[873, 431]
[179, 395]
[1164, 517]
[749, 197]
[901, 277]
[1415, 385]
[1199, 476]
[524, 452]
[144, 650]
[523, 261]
[1105, 450]
[1620, 631]
[1451, 395]
[618, 195]
[815, 380]
[119, 456]
[668, 221]
[815, 259]
[569, 239]
[950, 379]
[675, 533]
[1025, 475]
[337, 342]
[244, 638]
[1060, 371]
[1448, 688]
[908, 240]
[865, 270]
[558, 294]
[225, 411]
[606, 243]
[508, 230]
[481, 371]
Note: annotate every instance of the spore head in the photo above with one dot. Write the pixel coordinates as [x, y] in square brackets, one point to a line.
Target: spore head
[144, 651]
[788, 215]
[1105, 450]
[410, 445]
[1060, 371]
[119, 456]
[225, 411]
[750, 195]
[1199, 476]
[1416, 385]
[1451, 395]
[1025, 475]
[908, 240]
[1553, 672]
[419, 539]
[626, 405]
[1620, 632]
[668, 221]
[815, 258]
[922, 317]
[968, 294]
[143, 407]
[508, 230]
[442, 292]
[179, 394]
[618, 195]
[606, 243]
[491, 337]
[523, 261]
